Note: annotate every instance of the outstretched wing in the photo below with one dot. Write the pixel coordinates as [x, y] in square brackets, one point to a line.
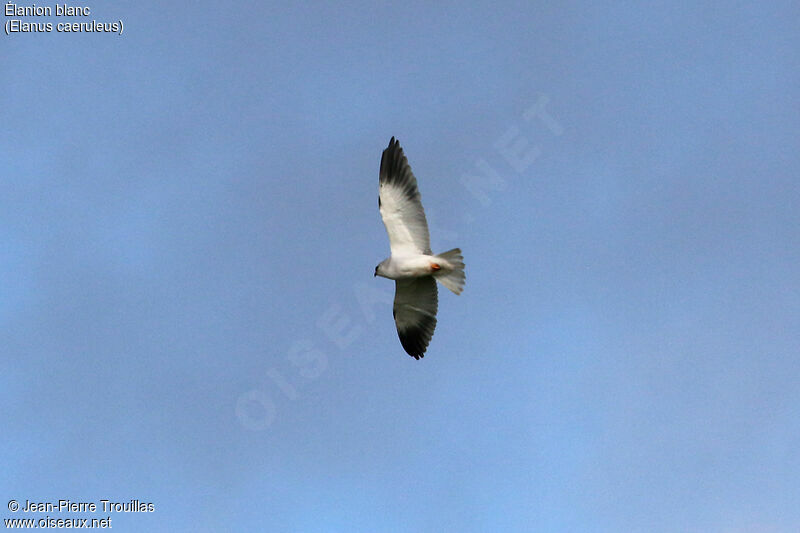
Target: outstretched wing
[400, 205]
[416, 301]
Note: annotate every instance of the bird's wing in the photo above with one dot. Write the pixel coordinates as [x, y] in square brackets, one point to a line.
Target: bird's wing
[416, 301]
[400, 205]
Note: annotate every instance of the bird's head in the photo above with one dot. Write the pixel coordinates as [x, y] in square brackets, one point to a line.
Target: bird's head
[380, 270]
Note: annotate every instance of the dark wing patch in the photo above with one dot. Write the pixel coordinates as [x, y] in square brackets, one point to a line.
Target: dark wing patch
[415, 340]
[396, 171]
[415, 304]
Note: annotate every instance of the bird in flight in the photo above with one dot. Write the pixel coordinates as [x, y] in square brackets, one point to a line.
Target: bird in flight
[412, 264]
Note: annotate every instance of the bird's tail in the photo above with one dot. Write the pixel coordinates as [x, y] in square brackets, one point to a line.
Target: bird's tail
[452, 273]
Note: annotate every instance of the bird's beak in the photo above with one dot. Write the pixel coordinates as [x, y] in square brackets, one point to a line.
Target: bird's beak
[375, 275]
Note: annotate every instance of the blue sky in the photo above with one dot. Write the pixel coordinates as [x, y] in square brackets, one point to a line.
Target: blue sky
[189, 228]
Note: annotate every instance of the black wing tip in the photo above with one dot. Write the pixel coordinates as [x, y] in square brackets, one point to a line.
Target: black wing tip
[415, 340]
[416, 356]
[392, 156]
[395, 170]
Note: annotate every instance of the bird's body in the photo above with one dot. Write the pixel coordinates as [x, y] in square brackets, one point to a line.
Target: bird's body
[412, 264]
[409, 266]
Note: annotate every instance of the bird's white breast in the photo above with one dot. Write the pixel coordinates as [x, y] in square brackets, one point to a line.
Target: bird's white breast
[409, 266]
